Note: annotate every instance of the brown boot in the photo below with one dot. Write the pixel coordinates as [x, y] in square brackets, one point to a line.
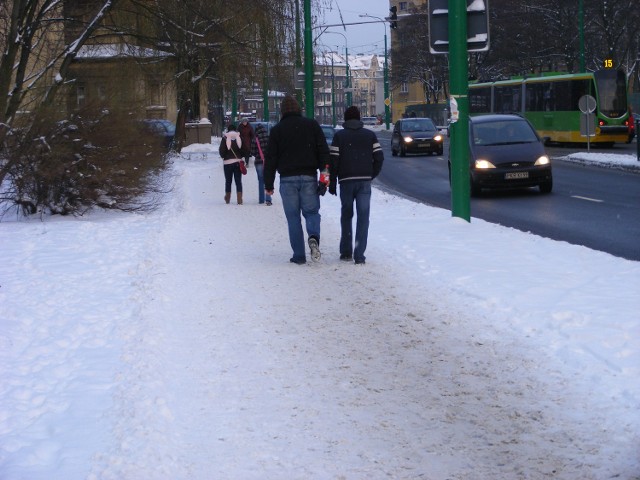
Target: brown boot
[227, 197]
[239, 198]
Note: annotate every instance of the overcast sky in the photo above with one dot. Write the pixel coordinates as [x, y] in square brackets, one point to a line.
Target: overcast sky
[367, 38]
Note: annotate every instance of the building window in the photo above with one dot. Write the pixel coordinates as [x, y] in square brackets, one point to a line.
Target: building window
[102, 92]
[81, 95]
[403, 5]
[404, 88]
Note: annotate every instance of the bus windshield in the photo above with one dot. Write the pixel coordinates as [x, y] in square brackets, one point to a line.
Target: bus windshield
[612, 92]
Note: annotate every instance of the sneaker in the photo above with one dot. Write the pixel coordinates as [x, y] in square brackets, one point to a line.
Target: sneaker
[268, 204]
[359, 261]
[346, 257]
[298, 261]
[315, 249]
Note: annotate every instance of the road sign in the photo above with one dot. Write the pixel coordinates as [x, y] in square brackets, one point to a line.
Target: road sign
[477, 26]
[587, 104]
[387, 102]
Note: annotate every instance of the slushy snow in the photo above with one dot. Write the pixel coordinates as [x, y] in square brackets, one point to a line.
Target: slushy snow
[181, 344]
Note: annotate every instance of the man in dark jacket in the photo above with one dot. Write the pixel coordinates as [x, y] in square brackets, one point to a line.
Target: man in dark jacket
[297, 150]
[246, 134]
[356, 159]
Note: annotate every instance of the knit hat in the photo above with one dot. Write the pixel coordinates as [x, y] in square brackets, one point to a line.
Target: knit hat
[289, 105]
[352, 113]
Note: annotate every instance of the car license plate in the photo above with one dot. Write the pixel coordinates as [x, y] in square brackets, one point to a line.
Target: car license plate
[513, 175]
[427, 144]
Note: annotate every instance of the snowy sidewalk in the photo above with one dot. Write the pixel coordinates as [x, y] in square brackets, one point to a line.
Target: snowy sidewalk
[229, 362]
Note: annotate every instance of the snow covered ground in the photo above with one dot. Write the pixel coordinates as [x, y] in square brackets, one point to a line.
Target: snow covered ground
[182, 345]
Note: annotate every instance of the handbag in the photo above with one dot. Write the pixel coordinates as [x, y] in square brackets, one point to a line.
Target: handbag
[243, 167]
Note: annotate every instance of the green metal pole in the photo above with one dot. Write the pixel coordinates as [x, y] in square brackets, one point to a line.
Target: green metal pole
[387, 115]
[459, 74]
[308, 61]
[265, 98]
[333, 93]
[581, 32]
[298, 49]
[346, 52]
[234, 105]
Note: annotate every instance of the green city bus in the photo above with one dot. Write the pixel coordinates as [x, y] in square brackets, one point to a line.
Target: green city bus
[550, 103]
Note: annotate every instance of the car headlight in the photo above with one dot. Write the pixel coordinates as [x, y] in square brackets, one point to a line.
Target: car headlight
[484, 164]
[543, 160]
[408, 139]
[438, 138]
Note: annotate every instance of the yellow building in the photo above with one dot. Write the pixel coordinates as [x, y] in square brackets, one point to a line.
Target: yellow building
[404, 94]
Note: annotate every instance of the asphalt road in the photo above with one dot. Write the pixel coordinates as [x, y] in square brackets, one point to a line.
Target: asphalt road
[591, 206]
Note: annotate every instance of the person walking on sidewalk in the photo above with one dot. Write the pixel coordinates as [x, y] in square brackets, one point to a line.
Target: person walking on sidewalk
[297, 150]
[246, 134]
[258, 150]
[230, 151]
[356, 159]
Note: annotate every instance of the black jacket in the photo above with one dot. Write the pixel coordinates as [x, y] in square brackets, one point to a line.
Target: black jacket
[297, 146]
[355, 153]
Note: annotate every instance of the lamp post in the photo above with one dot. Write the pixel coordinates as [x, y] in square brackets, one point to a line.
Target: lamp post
[333, 94]
[387, 114]
[346, 50]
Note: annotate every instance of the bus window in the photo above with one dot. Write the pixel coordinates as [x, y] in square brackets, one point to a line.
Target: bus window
[480, 100]
[612, 92]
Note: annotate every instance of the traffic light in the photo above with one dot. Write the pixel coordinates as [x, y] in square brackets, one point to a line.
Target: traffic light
[393, 18]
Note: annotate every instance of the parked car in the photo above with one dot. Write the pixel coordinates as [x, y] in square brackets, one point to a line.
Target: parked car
[163, 129]
[416, 135]
[505, 151]
[266, 125]
[329, 132]
[369, 121]
[633, 118]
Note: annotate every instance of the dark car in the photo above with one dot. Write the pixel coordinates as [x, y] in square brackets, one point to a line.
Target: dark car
[266, 125]
[416, 135]
[162, 129]
[506, 152]
[329, 132]
[633, 118]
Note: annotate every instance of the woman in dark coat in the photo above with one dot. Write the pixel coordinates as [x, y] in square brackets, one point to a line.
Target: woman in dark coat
[261, 139]
[231, 152]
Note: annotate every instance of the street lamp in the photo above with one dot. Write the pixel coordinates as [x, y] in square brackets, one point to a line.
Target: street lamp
[346, 50]
[386, 72]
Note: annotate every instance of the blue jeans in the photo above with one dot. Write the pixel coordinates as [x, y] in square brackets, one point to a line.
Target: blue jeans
[260, 172]
[360, 192]
[232, 172]
[300, 195]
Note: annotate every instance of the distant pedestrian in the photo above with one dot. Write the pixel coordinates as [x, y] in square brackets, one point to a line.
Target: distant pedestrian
[356, 159]
[246, 134]
[258, 150]
[230, 151]
[297, 150]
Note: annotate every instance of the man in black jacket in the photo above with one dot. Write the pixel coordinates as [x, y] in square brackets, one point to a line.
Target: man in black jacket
[297, 149]
[356, 159]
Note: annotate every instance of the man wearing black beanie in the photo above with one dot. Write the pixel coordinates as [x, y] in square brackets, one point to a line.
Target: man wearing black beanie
[356, 159]
[297, 150]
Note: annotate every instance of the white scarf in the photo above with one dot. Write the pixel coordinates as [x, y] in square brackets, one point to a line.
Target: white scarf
[233, 135]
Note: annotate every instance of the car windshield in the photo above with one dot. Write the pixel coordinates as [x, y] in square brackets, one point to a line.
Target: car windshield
[506, 132]
[418, 125]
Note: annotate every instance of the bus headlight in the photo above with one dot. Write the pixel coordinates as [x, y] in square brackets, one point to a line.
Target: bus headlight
[484, 164]
[543, 160]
